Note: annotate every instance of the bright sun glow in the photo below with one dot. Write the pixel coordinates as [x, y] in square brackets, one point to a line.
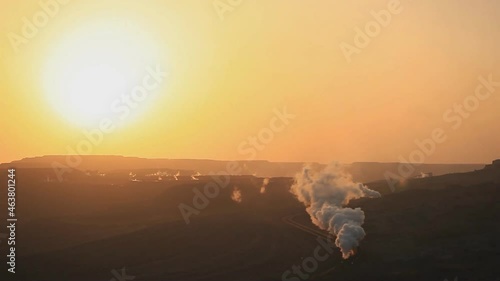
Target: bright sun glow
[95, 66]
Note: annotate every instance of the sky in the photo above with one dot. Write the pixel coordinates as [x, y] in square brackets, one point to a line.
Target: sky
[275, 80]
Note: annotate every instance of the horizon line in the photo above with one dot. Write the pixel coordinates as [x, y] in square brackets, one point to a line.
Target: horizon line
[255, 160]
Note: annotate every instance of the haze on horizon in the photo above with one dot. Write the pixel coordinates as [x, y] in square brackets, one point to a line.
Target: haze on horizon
[226, 79]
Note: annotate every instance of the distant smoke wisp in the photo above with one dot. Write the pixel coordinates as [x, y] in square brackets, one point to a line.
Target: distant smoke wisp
[236, 195]
[325, 194]
[176, 176]
[264, 186]
[195, 176]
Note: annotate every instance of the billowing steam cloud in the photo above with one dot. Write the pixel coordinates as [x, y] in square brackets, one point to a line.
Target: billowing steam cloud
[236, 196]
[264, 186]
[325, 194]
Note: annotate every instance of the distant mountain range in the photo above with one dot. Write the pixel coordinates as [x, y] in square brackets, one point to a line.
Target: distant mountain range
[361, 171]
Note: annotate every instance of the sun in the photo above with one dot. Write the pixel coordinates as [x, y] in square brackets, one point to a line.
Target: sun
[93, 66]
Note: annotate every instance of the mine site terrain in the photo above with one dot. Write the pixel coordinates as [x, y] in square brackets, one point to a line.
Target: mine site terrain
[83, 228]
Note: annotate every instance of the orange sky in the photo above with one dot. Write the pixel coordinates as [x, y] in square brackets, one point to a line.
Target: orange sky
[229, 70]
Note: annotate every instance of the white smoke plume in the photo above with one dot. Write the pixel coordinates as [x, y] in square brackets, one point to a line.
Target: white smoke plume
[264, 186]
[236, 196]
[325, 194]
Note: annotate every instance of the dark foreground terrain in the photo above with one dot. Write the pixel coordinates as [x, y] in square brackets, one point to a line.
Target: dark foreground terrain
[98, 227]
